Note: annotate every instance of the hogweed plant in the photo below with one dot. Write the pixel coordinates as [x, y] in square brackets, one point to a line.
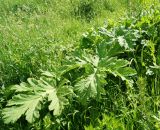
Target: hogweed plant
[114, 69]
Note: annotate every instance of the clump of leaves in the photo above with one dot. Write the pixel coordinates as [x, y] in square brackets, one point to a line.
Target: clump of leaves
[30, 97]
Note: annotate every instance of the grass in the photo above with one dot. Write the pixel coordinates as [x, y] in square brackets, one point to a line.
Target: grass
[30, 30]
[35, 34]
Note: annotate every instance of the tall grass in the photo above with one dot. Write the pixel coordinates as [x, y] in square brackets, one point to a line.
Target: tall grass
[36, 34]
[30, 30]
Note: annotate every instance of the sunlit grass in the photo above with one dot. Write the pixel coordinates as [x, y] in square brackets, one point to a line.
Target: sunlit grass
[32, 33]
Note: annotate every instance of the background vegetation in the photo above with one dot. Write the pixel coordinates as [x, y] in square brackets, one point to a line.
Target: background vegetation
[43, 38]
[30, 29]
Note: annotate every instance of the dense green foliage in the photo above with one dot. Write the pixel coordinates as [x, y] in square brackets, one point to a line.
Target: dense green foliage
[32, 31]
[109, 79]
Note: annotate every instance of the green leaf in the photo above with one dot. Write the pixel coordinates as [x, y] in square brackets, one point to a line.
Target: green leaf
[113, 63]
[122, 42]
[22, 104]
[29, 104]
[109, 49]
[127, 71]
[59, 99]
[117, 67]
[89, 87]
[23, 87]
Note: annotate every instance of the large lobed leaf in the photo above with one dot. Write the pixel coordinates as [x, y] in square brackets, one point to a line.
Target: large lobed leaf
[22, 104]
[30, 103]
[92, 84]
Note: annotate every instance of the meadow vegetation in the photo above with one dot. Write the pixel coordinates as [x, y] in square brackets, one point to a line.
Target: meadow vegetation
[79, 64]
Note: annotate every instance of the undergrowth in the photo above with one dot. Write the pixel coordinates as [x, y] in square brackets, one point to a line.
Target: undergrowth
[107, 80]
